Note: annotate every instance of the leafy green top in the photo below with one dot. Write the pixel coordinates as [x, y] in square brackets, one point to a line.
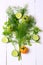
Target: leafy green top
[20, 28]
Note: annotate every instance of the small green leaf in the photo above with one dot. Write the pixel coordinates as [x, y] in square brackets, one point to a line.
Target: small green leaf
[29, 44]
[36, 30]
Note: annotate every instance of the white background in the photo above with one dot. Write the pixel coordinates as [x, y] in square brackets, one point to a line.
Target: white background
[35, 57]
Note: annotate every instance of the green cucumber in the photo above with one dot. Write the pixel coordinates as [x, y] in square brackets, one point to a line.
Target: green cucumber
[35, 37]
[15, 53]
[4, 39]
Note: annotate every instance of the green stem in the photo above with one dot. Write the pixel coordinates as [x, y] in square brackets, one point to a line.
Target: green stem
[19, 55]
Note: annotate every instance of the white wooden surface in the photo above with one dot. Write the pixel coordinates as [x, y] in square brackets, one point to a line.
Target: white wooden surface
[39, 16]
[35, 57]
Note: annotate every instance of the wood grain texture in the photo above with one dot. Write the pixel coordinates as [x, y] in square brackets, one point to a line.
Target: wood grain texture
[35, 57]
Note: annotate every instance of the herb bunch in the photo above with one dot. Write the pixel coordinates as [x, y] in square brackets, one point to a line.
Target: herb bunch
[20, 28]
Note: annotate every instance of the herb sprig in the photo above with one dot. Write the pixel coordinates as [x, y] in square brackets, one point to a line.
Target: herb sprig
[20, 28]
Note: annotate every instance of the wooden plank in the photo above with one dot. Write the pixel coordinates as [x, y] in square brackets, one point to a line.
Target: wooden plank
[2, 54]
[39, 17]
[2, 45]
[28, 58]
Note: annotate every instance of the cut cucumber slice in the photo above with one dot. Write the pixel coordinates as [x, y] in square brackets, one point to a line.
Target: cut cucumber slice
[5, 39]
[18, 15]
[25, 19]
[35, 37]
[14, 53]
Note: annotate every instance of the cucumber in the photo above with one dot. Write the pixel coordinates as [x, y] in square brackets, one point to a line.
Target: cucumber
[35, 37]
[4, 39]
[14, 53]
[18, 15]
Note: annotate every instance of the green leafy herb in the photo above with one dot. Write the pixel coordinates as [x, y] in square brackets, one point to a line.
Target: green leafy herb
[19, 28]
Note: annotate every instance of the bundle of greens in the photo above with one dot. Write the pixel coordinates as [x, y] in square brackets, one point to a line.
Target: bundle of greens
[20, 28]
